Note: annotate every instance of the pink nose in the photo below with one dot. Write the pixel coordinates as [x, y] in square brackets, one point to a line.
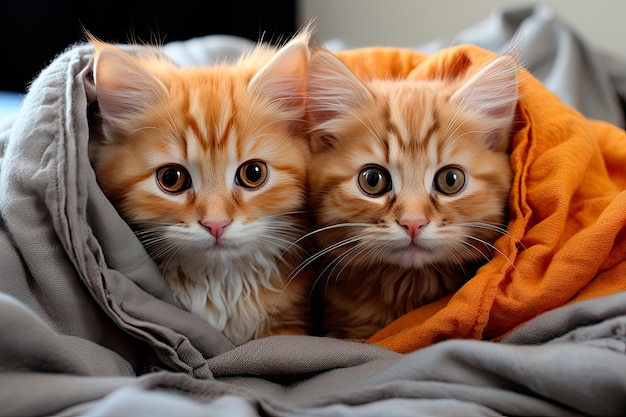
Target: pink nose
[413, 226]
[216, 228]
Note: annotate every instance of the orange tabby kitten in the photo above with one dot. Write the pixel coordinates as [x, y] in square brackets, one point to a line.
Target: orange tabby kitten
[208, 165]
[409, 183]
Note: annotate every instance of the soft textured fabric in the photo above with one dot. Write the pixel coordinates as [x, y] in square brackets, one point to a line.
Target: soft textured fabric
[87, 325]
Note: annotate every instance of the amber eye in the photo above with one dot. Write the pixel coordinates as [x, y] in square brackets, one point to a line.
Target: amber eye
[374, 180]
[251, 174]
[173, 179]
[449, 180]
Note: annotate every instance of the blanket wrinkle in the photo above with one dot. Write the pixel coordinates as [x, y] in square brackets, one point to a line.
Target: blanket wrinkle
[47, 187]
[564, 200]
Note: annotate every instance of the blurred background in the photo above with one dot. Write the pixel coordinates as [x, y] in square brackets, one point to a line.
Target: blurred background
[33, 32]
[411, 23]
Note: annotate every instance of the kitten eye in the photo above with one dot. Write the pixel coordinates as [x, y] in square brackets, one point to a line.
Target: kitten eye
[374, 180]
[251, 174]
[449, 180]
[173, 179]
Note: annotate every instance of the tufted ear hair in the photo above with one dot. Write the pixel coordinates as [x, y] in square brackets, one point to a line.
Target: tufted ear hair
[333, 92]
[283, 79]
[493, 93]
[123, 86]
[332, 89]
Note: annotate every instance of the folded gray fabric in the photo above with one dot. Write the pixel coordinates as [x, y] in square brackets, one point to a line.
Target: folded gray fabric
[88, 326]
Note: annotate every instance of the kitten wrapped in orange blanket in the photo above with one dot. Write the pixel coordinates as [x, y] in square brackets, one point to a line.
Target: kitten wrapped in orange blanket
[567, 210]
[410, 184]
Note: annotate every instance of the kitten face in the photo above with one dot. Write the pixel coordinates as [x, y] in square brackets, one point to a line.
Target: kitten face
[201, 160]
[409, 173]
[208, 165]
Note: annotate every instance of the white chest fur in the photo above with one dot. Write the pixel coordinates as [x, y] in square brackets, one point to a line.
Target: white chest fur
[226, 293]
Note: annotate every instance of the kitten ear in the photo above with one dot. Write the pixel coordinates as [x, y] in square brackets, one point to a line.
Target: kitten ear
[333, 90]
[283, 79]
[123, 86]
[492, 92]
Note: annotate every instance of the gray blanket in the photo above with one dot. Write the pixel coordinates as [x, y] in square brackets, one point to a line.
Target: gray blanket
[88, 326]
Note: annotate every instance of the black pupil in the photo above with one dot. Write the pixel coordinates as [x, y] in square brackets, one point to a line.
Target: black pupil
[253, 172]
[170, 177]
[450, 178]
[372, 178]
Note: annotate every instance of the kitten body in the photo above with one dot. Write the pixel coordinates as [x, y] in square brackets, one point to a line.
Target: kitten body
[409, 183]
[208, 166]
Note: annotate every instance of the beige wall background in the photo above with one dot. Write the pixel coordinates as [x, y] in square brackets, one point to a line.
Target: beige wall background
[408, 23]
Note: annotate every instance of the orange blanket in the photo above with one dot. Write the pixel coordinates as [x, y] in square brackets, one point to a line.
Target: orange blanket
[567, 208]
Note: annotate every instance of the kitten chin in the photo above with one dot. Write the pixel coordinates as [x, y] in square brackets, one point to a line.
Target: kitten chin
[208, 166]
[410, 188]
[212, 285]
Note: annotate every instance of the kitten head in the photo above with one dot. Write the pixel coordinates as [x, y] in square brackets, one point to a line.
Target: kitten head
[409, 173]
[206, 163]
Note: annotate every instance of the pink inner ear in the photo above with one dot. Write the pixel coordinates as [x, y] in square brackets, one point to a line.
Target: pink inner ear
[283, 79]
[123, 86]
[332, 89]
[493, 89]
[493, 92]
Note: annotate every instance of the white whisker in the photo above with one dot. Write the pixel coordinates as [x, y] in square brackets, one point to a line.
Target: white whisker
[491, 246]
[331, 227]
[501, 229]
[307, 262]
